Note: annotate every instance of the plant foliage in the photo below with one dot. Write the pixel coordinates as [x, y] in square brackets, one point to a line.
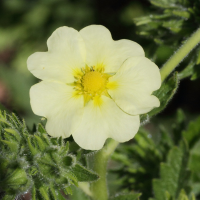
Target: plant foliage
[159, 165]
[164, 94]
[36, 162]
[170, 24]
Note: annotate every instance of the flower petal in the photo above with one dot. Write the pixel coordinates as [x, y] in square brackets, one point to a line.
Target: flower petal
[66, 54]
[50, 66]
[55, 101]
[103, 50]
[104, 121]
[134, 83]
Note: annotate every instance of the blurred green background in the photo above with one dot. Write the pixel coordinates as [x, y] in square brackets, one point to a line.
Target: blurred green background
[25, 26]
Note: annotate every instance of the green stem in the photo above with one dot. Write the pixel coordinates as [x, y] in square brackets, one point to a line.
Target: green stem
[99, 188]
[178, 56]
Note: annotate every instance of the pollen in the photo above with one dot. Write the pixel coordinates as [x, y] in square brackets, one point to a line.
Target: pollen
[93, 81]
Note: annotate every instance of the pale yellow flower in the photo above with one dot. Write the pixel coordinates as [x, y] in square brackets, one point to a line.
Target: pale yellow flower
[92, 87]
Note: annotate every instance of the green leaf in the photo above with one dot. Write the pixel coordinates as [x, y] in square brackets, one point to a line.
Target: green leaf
[12, 145]
[174, 174]
[196, 73]
[32, 149]
[144, 119]
[33, 193]
[71, 177]
[78, 194]
[14, 133]
[41, 129]
[67, 190]
[37, 161]
[198, 57]
[42, 145]
[44, 192]
[84, 174]
[173, 25]
[139, 160]
[183, 196]
[192, 132]
[133, 196]
[165, 93]
[8, 197]
[178, 126]
[64, 149]
[181, 13]
[187, 71]
[162, 3]
[16, 179]
[68, 160]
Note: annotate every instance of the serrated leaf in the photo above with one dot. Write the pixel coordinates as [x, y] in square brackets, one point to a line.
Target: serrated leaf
[44, 192]
[182, 196]
[71, 177]
[192, 132]
[4, 121]
[173, 25]
[41, 162]
[15, 179]
[187, 71]
[14, 120]
[41, 129]
[55, 195]
[12, 145]
[133, 196]
[84, 174]
[64, 149]
[165, 93]
[142, 20]
[42, 145]
[14, 133]
[67, 190]
[32, 148]
[181, 13]
[174, 175]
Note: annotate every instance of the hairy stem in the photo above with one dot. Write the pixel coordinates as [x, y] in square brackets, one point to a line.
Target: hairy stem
[178, 56]
[99, 188]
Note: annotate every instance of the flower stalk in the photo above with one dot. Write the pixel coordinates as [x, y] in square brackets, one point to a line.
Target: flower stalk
[178, 56]
[99, 188]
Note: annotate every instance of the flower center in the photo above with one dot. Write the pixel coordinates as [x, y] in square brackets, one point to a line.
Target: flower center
[93, 81]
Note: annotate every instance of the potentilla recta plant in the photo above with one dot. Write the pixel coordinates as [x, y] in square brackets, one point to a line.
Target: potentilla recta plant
[95, 93]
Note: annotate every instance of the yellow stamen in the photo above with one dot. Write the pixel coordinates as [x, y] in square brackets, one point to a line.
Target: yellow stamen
[93, 81]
